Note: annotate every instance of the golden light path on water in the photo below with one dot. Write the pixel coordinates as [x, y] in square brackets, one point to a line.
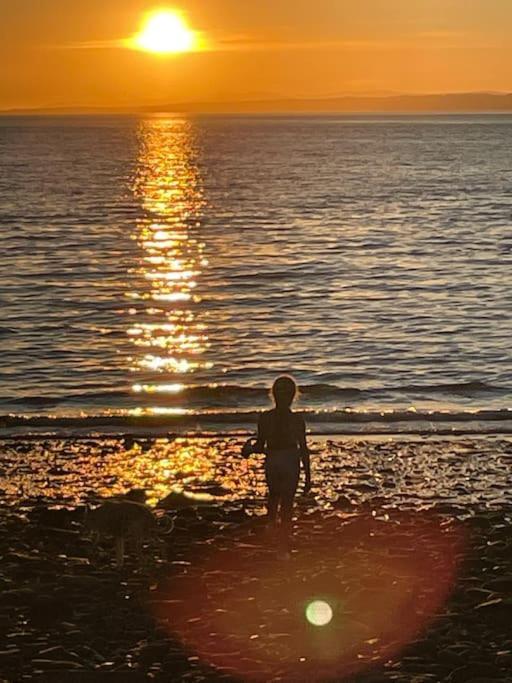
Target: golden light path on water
[168, 338]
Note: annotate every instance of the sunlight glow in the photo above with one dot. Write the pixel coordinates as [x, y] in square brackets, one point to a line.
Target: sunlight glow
[165, 32]
[158, 388]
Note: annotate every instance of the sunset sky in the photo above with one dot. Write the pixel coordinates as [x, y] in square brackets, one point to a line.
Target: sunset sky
[63, 53]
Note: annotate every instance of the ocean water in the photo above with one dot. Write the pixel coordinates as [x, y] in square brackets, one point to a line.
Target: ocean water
[161, 271]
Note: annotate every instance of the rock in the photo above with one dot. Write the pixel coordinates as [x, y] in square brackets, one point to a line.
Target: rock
[237, 515]
[501, 584]
[497, 610]
[9, 656]
[57, 652]
[490, 604]
[56, 665]
[478, 670]
[364, 487]
[18, 596]
[343, 503]
[91, 654]
[45, 609]
[215, 490]
[177, 500]
[212, 513]
[153, 652]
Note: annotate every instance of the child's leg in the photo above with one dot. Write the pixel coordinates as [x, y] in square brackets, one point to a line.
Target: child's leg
[271, 476]
[289, 490]
[272, 505]
[287, 510]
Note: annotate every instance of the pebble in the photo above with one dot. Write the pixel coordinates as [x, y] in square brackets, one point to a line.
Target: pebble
[56, 664]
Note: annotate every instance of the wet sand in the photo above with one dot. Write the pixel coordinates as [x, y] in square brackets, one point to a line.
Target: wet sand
[407, 541]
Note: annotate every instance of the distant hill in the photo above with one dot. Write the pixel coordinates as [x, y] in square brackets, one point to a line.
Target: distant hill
[440, 103]
[470, 102]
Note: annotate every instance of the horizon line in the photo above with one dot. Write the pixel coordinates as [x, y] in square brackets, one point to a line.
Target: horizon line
[279, 103]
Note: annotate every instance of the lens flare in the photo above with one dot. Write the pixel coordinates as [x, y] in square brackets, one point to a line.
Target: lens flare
[246, 614]
[319, 613]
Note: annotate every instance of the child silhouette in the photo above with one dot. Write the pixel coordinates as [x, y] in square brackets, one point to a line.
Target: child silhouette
[282, 437]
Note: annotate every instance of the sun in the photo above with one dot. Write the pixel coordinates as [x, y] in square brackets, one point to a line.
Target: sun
[165, 32]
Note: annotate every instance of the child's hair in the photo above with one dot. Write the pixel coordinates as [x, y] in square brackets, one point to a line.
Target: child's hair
[284, 390]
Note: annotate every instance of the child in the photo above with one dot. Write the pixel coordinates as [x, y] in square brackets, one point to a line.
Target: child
[282, 437]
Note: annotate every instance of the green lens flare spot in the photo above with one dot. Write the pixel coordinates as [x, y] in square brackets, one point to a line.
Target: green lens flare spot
[319, 613]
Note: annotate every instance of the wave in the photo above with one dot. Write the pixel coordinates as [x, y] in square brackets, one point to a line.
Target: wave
[232, 394]
[329, 421]
[224, 408]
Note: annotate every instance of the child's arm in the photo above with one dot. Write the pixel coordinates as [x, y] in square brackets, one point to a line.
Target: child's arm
[304, 456]
[261, 438]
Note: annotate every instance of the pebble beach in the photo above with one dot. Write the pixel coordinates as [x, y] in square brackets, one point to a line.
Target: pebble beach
[405, 542]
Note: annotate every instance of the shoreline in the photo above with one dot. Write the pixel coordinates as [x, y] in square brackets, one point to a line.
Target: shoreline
[204, 435]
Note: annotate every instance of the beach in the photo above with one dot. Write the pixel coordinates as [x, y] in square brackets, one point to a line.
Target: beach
[406, 539]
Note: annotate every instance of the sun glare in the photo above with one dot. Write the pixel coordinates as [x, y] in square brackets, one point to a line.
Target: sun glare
[165, 32]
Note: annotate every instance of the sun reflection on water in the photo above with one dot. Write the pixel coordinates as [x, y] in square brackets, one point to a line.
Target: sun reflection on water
[169, 339]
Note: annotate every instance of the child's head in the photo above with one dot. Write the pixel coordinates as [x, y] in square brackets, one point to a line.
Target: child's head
[283, 391]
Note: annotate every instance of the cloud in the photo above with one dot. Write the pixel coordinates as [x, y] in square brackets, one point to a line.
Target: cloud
[248, 43]
[92, 45]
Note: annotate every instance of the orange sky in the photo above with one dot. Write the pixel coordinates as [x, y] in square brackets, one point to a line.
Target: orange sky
[63, 53]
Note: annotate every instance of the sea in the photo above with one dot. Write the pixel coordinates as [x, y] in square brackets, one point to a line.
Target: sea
[159, 272]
